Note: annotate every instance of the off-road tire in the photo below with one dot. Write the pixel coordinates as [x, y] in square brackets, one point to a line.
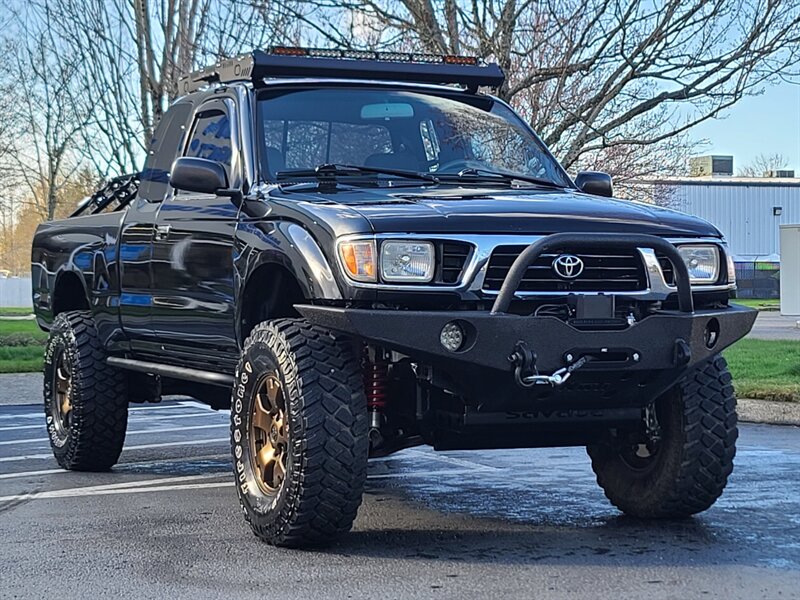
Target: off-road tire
[694, 457]
[92, 438]
[326, 459]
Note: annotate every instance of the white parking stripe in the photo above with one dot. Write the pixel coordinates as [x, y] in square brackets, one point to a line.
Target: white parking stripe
[121, 489]
[121, 466]
[135, 409]
[140, 447]
[165, 430]
[113, 486]
[453, 461]
[167, 484]
[131, 421]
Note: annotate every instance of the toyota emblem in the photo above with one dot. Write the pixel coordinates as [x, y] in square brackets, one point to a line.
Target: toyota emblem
[567, 266]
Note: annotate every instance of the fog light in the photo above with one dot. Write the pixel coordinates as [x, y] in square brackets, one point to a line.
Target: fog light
[452, 336]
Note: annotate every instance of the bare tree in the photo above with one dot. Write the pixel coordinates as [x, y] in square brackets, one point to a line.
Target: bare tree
[41, 157]
[132, 53]
[762, 164]
[593, 77]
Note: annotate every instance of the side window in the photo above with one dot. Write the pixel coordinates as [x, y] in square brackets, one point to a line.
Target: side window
[211, 138]
[164, 147]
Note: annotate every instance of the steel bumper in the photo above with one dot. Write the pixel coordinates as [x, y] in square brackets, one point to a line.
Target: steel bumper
[661, 341]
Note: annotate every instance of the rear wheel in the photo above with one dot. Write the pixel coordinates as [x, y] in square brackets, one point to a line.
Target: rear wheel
[85, 400]
[684, 468]
[298, 433]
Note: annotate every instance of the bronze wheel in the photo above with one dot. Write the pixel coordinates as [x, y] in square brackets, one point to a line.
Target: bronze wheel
[299, 433]
[61, 409]
[85, 400]
[269, 435]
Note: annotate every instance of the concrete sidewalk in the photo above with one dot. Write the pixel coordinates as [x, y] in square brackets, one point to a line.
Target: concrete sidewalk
[772, 325]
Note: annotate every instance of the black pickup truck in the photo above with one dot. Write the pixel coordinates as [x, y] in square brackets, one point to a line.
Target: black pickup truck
[357, 253]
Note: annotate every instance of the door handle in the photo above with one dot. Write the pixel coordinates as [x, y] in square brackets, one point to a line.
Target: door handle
[162, 232]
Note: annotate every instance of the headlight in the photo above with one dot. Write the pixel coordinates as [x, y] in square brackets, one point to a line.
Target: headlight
[358, 259]
[407, 261]
[702, 261]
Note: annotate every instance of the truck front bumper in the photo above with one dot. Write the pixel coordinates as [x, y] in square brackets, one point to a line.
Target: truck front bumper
[624, 366]
[663, 341]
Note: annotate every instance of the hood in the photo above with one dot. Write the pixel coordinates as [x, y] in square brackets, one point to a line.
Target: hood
[512, 211]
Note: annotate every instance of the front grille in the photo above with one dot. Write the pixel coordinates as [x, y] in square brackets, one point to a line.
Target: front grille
[452, 257]
[604, 271]
[666, 268]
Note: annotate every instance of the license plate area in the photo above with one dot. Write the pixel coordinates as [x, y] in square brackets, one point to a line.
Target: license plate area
[603, 357]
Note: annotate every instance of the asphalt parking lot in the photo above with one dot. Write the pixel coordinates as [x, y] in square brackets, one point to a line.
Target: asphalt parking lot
[517, 524]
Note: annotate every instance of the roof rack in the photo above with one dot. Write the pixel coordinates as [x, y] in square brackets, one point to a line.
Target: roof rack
[283, 61]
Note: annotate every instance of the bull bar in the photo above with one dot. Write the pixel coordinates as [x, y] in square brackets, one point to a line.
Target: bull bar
[665, 340]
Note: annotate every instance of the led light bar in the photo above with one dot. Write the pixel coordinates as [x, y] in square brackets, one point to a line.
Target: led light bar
[287, 62]
[370, 55]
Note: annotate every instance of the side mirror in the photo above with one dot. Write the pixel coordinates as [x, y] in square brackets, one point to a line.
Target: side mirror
[595, 183]
[198, 175]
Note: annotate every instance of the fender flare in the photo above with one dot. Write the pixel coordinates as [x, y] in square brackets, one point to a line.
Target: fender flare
[289, 246]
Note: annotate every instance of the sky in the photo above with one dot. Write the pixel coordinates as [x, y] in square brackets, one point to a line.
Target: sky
[765, 124]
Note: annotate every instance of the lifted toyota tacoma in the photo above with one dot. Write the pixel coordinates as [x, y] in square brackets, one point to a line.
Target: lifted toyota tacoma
[358, 253]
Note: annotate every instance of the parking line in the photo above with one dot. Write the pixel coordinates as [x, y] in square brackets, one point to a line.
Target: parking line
[454, 461]
[121, 467]
[93, 490]
[136, 409]
[140, 447]
[168, 484]
[137, 432]
[138, 419]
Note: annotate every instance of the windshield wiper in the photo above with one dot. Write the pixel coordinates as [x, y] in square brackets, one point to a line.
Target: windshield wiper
[333, 171]
[484, 175]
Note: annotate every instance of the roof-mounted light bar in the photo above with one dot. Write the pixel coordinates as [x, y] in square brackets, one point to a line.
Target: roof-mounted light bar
[284, 61]
[406, 57]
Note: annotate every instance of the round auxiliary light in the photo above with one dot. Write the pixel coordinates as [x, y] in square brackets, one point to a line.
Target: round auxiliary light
[452, 336]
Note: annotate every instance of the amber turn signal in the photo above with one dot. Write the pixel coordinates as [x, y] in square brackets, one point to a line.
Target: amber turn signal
[358, 259]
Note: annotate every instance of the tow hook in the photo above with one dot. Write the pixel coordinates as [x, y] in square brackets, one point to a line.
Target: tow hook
[527, 375]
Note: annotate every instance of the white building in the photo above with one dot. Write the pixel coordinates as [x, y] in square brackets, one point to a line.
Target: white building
[748, 211]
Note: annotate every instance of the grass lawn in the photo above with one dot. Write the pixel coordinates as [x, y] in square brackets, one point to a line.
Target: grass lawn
[14, 312]
[765, 369]
[774, 303]
[21, 346]
[21, 359]
[29, 328]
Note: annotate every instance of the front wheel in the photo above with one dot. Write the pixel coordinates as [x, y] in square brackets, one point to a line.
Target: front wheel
[685, 469]
[298, 433]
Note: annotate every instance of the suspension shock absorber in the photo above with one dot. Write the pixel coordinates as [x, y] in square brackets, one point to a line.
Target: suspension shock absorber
[376, 386]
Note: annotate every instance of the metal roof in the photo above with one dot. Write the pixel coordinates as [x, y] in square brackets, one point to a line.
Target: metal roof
[731, 181]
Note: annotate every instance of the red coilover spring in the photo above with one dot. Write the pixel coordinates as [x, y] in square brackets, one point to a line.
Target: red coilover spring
[376, 376]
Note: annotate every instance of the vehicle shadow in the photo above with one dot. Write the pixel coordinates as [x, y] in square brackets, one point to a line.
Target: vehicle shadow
[435, 531]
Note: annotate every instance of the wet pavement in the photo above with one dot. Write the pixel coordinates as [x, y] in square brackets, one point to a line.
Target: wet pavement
[511, 523]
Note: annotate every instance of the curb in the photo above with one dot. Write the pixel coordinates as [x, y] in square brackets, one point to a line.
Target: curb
[768, 412]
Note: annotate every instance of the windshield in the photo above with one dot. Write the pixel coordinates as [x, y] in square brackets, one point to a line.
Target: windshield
[401, 130]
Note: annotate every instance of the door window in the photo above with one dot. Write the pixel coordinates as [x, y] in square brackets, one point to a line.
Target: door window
[211, 138]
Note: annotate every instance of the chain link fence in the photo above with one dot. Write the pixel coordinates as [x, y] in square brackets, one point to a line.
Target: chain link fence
[758, 279]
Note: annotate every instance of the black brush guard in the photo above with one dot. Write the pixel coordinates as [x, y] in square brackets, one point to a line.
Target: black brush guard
[662, 344]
